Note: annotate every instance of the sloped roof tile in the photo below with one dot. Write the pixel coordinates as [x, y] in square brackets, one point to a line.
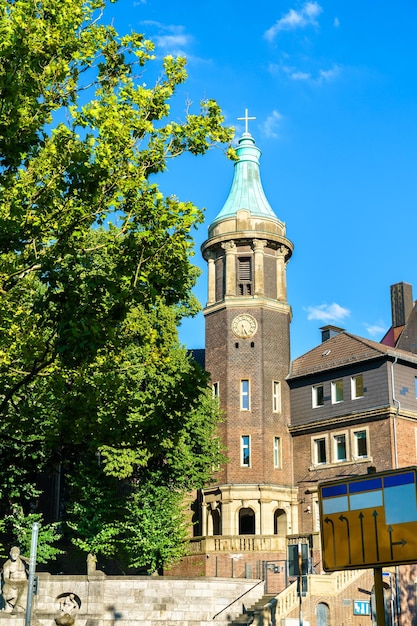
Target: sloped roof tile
[341, 350]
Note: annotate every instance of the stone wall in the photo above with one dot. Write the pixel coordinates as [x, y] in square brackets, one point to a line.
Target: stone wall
[105, 601]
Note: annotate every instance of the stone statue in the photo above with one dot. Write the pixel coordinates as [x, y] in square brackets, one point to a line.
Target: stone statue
[68, 609]
[15, 581]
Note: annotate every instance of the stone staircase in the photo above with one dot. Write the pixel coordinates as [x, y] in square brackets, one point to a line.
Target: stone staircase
[249, 614]
[274, 609]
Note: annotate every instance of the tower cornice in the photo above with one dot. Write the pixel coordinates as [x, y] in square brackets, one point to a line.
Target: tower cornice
[248, 236]
[249, 303]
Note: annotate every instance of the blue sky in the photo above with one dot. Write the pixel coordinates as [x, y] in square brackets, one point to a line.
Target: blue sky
[333, 86]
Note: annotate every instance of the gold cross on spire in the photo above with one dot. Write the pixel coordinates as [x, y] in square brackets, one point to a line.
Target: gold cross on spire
[246, 120]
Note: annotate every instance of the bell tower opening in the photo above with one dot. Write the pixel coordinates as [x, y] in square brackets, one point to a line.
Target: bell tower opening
[244, 276]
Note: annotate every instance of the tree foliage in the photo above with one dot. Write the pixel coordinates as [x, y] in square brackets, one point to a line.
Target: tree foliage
[95, 275]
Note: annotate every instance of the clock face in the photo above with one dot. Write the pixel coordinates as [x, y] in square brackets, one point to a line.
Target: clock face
[244, 326]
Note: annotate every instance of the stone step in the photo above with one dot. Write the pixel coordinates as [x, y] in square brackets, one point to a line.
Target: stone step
[247, 617]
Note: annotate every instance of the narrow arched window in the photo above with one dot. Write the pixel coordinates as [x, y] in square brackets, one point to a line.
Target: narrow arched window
[246, 522]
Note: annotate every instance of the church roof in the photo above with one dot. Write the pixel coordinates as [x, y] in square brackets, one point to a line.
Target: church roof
[341, 350]
[246, 191]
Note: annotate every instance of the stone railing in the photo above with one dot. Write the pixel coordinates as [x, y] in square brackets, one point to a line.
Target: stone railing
[287, 600]
[238, 543]
[331, 584]
[318, 585]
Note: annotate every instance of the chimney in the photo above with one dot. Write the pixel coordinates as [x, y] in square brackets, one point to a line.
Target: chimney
[401, 303]
[329, 331]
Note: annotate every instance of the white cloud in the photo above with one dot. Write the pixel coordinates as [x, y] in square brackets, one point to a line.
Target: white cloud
[173, 43]
[327, 312]
[329, 74]
[171, 38]
[300, 75]
[336, 22]
[292, 20]
[378, 328]
[272, 123]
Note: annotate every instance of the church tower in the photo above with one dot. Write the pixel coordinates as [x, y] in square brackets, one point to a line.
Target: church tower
[247, 354]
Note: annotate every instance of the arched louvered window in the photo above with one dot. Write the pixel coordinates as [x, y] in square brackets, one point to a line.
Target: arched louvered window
[244, 276]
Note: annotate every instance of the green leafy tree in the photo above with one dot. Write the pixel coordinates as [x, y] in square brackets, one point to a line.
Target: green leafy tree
[95, 275]
[19, 527]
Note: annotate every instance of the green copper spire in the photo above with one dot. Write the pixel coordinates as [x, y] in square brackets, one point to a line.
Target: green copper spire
[246, 191]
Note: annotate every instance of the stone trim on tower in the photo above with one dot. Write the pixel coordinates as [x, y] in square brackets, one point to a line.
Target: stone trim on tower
[230, 267]
[259, 252]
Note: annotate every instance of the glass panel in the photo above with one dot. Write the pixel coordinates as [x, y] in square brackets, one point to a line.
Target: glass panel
[277, 451]
[320, 445]
[337, 391]
[318, 395]
[357, 386]
[275, 397]
[340, 441]
[361, 443]
[244, 395]
[245, 450]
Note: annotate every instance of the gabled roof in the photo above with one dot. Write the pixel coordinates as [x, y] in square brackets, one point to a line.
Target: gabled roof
[341, 350]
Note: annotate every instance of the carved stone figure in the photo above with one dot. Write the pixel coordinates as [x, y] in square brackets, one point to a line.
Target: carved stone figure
[15, 581]
[69, 605]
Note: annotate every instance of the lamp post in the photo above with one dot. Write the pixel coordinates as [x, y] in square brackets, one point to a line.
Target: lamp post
[32, 568]
[300, 582]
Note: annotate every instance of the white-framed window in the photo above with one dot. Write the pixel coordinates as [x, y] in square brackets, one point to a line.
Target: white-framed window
[245, 395]
[277, 452]
[216, 390]
[337, 391]
[357, 388]
[276, 396]
[318, 396]
[245, 450]
[339, 447]
[360, 443]
[319, 450]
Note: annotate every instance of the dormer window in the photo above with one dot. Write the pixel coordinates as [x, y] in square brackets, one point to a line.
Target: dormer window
[244, 276]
